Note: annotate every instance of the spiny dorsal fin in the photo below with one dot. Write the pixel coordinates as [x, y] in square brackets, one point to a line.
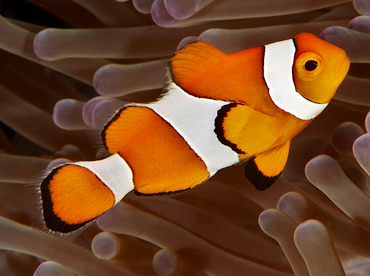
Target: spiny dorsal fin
[194, 62]
[194, 57]
[204, 71]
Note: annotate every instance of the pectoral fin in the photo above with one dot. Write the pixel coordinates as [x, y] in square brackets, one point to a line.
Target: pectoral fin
[245, 130]
[263, 170]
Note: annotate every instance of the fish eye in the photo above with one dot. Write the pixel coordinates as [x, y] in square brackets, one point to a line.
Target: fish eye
[310, 65]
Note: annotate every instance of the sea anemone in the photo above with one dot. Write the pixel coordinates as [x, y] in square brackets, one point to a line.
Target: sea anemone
[67, 65]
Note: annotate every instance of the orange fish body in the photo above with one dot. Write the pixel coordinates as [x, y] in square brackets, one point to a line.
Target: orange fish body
[218, 110]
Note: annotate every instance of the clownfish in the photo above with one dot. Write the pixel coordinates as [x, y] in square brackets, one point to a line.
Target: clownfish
[218, 110]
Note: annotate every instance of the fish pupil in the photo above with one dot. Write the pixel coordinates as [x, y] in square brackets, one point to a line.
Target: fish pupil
[310, 65]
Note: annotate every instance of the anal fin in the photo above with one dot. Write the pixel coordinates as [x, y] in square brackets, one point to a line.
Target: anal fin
[264, 169]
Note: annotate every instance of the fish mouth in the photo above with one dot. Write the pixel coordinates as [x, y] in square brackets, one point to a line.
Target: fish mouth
[338, 74]
[343, 69]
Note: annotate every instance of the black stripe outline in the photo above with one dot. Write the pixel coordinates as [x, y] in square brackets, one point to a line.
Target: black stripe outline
[256, 177]
[219, 130]
[107, 125]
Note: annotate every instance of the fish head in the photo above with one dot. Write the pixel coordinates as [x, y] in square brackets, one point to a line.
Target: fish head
[319, 68]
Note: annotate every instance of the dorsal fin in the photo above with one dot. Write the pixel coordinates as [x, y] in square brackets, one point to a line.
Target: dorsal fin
[194, 57]
[204, 71]
[195, 61]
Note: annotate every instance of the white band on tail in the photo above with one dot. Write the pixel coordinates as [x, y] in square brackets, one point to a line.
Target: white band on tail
[114, 172]
[278, 75]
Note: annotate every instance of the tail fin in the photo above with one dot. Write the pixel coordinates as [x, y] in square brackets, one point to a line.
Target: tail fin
[75, 194]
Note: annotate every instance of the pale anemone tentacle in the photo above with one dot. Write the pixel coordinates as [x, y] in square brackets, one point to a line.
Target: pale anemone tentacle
[222, 10]
[348, 231]
[105, 245]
